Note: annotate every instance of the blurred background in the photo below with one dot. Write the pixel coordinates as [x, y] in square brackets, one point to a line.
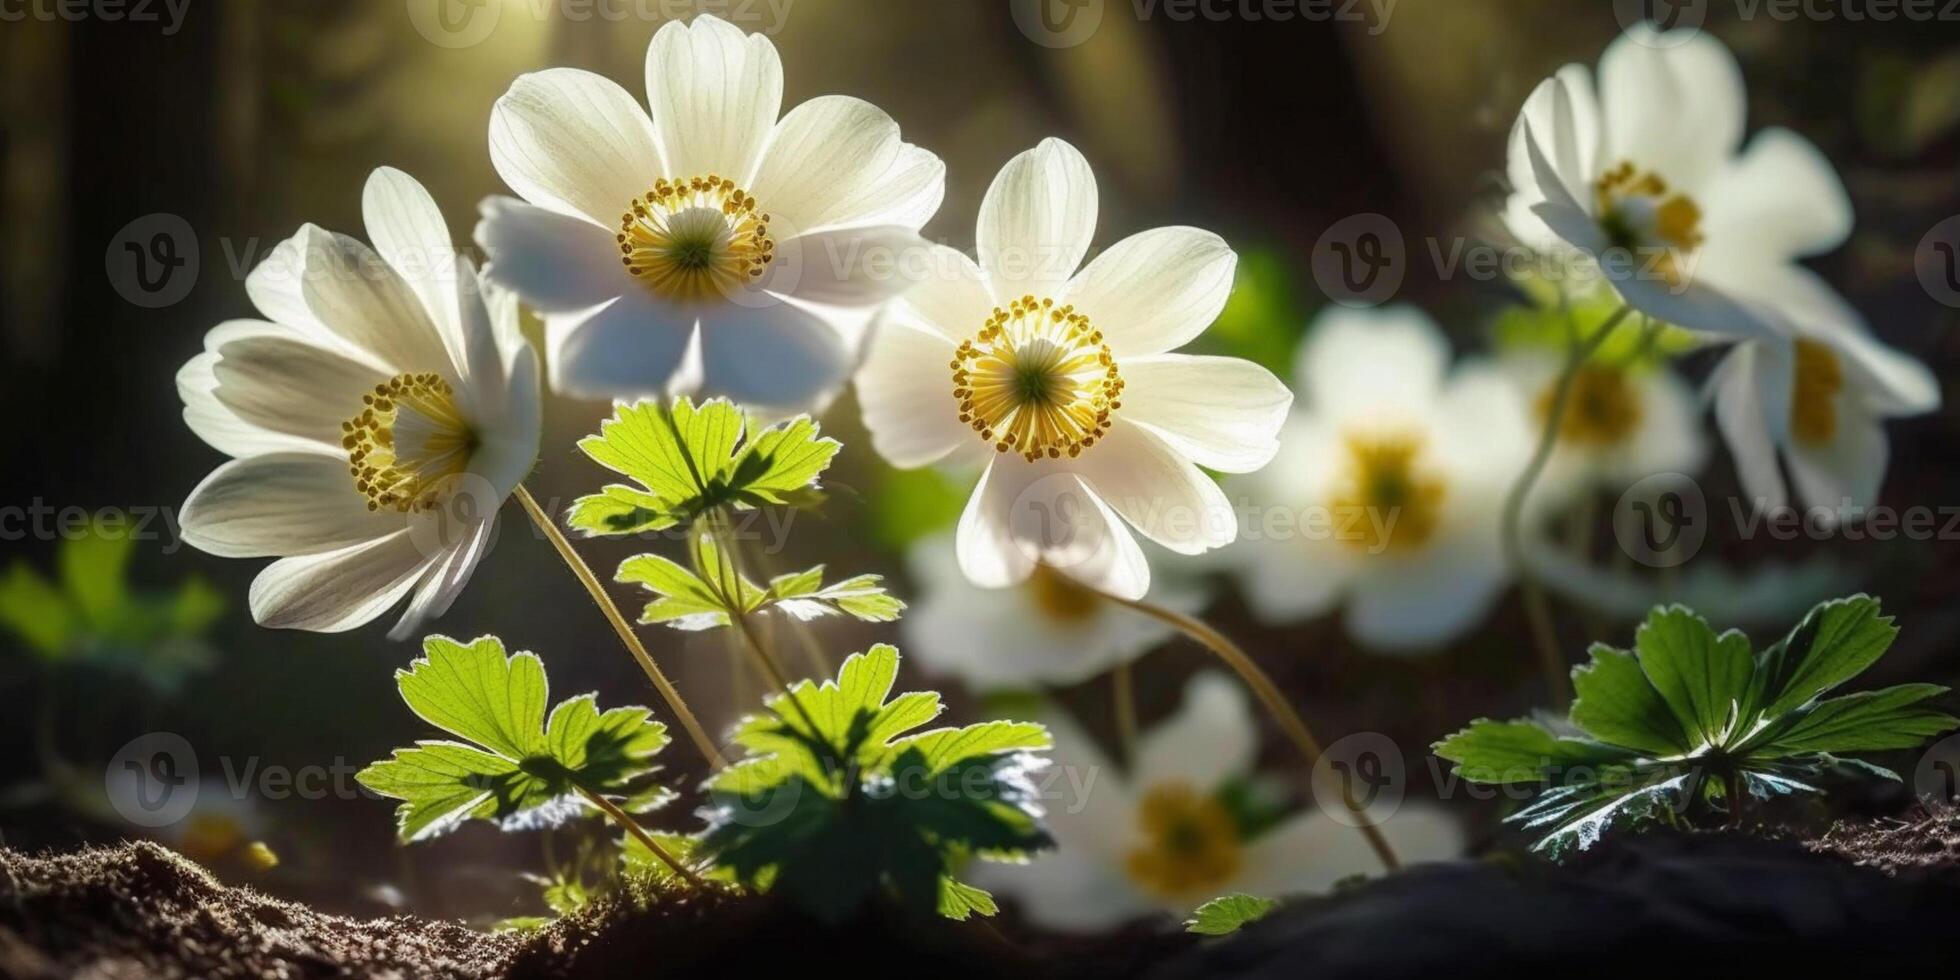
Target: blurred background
[237, 121]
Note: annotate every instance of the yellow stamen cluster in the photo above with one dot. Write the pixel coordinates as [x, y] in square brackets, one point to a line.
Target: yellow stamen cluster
[1813, 402]
[696, 238]
[1389, 500]
[1602, 410]
[1190, 845]
[1059, 597]
[407, 443]
[1037, 380]
[1676, 218]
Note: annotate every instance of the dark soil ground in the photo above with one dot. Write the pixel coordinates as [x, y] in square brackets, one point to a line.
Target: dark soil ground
[1873, 896]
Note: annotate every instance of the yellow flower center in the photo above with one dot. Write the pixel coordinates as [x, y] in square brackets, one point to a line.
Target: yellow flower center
[695, 239]
[1640, 213]
[1389, 501]
[1602, 410]
[1037, 379]
[1813, 403]
[208, 837]
[408, 443]
[1059, 597]
[1190, 844]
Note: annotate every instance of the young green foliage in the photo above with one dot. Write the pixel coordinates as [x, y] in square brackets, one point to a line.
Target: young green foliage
[837, 802]
[90, 615]
[687, 460]
[1691, 717]
[512, 766]
[1227, 914]
[689, 600]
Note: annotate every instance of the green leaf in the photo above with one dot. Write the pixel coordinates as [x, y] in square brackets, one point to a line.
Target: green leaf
[688, 460]
[94, 571]
[1835, 642]
[855, 804]
[1702, 677]
[682, 600]
[804, 596]
[34, 610]
[1228, 914]
[1503, 752]
[519, 768]
[1868, 721]
[1616, 704]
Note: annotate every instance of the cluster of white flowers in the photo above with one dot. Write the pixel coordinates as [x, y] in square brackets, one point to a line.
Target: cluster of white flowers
[707, 243]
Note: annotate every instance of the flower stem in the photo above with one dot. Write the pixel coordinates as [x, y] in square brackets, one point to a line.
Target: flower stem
[1123, 680]
[627, 823]
[1269, 695]
[583, 573]
[730, 594]
[1537, 607]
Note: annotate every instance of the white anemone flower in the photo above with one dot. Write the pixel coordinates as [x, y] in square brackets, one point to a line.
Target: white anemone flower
[1162, 840]
[1819, 398]
[1389, 493]
[379, 416]
[700, 243]
[1644, 183]
[1048, 630]
[1623, 421]
[1063, 381]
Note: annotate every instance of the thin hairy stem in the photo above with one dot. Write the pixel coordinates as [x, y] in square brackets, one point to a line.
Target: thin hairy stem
[1270, 696]
[627, 823]
[583, 573]
[730, 594]
[805, 637]
[1537, 607]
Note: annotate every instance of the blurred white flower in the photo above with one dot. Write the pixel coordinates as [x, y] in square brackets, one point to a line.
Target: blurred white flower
[1820, 398]
[379, 417]
[1163, 840]
[709, 246]
[1392, 482]
[1061, 381]
[1046, 631]
[1623, 421]
[1649, 182]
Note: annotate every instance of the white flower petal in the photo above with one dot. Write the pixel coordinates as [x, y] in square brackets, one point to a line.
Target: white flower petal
[905, 389]
[1222, 413]
[1420, 604]
[444, 581]
[1310, 853]
[1022, 511]
[1672, 105]
[715, 92]
[1066, 891]
[847, 267]
[1162, 494]
[1752, 388]
[1290, 578]
[409, 233]
[629, 349]
[1155, 290]
[217, 425]
[574, 142]
[952, 301]
[1539, 115]
[509, 440]
[291, 503]
[1843, 476]
[338, 590]
[776, 355]
[293, 387]
[1378, 364]
[1037, 221]
[557, 262]
[1779, 201]
[1210, 741]
[366, 303]
[838, 161]
[274, 285]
